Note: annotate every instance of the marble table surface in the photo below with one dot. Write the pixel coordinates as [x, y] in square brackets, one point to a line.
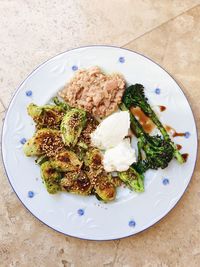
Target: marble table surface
[167, 31]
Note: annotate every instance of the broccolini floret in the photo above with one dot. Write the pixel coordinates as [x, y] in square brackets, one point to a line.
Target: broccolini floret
[134, 97]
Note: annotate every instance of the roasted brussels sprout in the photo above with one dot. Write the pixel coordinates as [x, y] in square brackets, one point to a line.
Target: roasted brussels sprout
[77, 183]
[61, 104]
[47, 116]
[66, 161]
[105, 190]
[90, 126]
[72, 125]
[44, 142]
[93, 158]
[77, 169]
[51, 177]
[41, 159]
[101, 181]
[133, 179]
[80, 150]
[93, 163]
[32, 147]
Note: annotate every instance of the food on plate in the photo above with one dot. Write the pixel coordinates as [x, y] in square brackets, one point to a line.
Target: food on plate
[120, 157]
[103, 182]
[111, 130]
[133, 179]
[90, 127]
[66, 161]
[46, 116]
[51, 177]
[66, 107]
[72, 125]
[77, 183]
[134, 96]
[83, 145]
[159, 150]
[93, 158]
[94, 91]
[105, 189]
[44, 142]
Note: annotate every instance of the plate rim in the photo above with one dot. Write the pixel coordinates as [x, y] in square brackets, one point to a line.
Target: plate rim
[100, 46]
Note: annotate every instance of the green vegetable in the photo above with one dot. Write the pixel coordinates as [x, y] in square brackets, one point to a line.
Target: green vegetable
[51, 177]
[93, 164]
[105, 190]
[41, 159]
[43, 142]
[82, 145]
[80, 150]
[134, 97]
[72, 126]
[78, 170]
[93, 158]
[133, 179]
[32, 147]
[77, 183]
[61, 104]
[158, 152]
[47, 116]
[66, 161]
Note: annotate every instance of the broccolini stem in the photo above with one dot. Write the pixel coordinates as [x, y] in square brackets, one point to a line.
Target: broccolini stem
[139, 146]
[177, 154]
[135, 125]
[152, 115]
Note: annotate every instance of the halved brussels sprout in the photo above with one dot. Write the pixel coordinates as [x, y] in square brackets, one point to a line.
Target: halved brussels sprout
[77, 183]
[66, 161]
[44, 142]
[72, 125]
[133, 179]
[104, 188]
[51, 177]
[47, 116]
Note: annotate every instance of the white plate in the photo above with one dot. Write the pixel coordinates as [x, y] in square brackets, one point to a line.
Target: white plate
[86, 217]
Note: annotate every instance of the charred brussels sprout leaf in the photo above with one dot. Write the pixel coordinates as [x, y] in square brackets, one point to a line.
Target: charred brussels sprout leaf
[44, 142]
[133, 179]
[66, 161]
[47, 116]
[51, 177]
[72, 126]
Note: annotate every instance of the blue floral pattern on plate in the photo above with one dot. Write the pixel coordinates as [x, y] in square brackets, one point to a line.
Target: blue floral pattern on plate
[74, 67]
[165, 181]
[29, 93]
[31, 194]
[132, 223]
[121, 59]
[80, 212]
[23, 141]
[157, 91]
[187, 135]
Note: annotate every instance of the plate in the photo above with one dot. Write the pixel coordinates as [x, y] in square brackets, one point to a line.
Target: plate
[86, 217]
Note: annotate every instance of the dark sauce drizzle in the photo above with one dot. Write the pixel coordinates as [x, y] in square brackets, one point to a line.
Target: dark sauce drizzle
[179, 146]
[185, 156]
[145, 121]
[162, 108]
[173, 131]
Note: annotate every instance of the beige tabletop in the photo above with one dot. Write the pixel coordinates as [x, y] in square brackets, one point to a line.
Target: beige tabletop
[168, 31]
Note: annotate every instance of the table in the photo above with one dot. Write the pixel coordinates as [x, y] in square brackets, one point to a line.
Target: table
[167, 31]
